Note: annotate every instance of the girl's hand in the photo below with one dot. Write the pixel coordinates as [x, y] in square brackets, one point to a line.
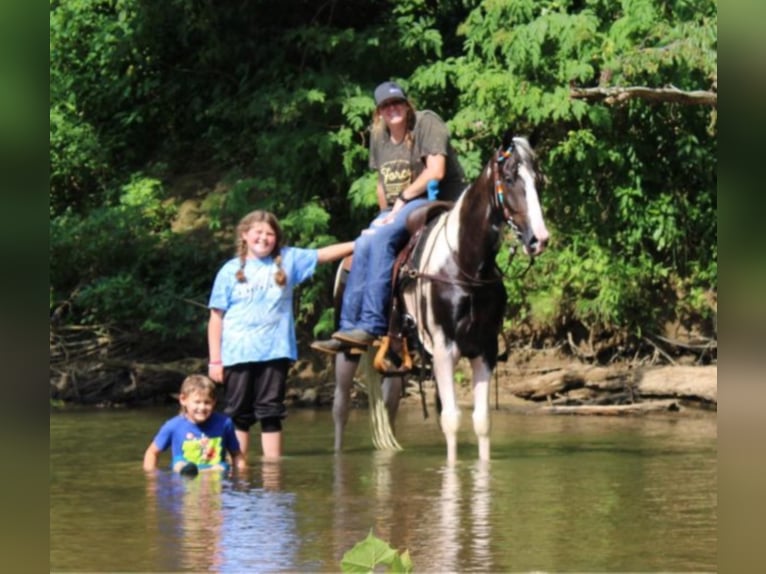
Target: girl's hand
[215, 372]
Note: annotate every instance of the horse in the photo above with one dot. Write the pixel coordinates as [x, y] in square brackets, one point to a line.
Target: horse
[451, 289]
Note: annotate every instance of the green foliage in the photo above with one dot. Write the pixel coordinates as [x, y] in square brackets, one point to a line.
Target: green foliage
[372, 552]
[121, 266]
[276, 99]
[78, 165]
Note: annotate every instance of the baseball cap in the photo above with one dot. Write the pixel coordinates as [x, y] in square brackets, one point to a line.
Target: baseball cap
[388, 91]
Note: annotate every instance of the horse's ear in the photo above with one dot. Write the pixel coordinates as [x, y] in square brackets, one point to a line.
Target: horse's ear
[507, 139]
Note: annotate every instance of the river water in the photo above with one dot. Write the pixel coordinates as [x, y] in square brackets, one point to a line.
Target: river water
[561, 493]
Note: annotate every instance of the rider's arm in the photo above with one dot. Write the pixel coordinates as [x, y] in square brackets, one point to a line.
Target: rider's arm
[436, 165]
[382, 201]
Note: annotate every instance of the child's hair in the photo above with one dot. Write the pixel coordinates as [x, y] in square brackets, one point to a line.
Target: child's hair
[259, 216]
[197, 384]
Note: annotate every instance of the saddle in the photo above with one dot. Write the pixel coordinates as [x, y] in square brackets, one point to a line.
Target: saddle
[393, 356]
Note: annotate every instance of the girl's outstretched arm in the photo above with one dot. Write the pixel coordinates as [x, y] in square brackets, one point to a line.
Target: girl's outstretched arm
[335, 251]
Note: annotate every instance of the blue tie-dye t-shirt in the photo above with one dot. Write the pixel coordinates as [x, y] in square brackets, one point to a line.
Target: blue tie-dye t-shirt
[258, 322]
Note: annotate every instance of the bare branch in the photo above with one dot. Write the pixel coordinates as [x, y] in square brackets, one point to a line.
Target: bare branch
[616, 95]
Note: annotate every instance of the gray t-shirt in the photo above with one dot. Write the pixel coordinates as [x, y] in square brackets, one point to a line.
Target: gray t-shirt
[399, 164]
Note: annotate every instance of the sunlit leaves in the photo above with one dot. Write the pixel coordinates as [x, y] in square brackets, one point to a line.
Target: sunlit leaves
[372, 552]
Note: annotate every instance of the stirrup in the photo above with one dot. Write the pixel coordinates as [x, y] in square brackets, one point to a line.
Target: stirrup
[389, 362]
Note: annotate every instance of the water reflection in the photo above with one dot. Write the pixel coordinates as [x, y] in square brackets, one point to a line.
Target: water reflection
[244, 523]
[482, 527]
[447, 525]
[260, 533]
[463, 529]
[185, 518]
[560, 494]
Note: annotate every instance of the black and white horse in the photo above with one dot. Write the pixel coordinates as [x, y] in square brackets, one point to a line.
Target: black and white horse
[453, 290]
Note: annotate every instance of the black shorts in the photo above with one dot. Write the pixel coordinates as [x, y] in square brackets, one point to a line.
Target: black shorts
[255, 391]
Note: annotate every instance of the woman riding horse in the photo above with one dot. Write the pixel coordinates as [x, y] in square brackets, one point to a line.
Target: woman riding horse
[408, 149]
[452, 288]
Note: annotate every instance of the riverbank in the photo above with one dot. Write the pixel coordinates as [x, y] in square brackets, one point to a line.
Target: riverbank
[91, 368]
[545, 380]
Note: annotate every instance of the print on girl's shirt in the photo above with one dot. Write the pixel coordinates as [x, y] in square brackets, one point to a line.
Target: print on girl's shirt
[257, 282]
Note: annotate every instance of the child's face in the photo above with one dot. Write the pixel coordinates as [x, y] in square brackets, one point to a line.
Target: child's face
[197, 406]
[260, 239]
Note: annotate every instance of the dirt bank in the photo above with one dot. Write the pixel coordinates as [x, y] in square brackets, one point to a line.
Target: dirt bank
[93, 368]
[547, 380]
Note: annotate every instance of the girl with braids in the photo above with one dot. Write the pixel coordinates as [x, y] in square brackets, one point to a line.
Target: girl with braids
[251, 331]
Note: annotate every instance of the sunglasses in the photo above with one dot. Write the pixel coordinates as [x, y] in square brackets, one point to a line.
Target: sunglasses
[390, 103]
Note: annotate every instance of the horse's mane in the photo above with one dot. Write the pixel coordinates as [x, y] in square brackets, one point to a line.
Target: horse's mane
[524, 148]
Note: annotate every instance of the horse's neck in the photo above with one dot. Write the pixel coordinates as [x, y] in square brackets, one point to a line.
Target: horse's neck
[472, 232]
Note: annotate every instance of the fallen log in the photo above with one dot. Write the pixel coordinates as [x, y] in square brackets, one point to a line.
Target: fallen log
[697, 383]
[612, 410]
[561, 381]
[620, 389]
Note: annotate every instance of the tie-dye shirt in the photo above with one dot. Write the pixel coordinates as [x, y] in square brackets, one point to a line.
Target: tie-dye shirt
[258, 322]
[203, 444]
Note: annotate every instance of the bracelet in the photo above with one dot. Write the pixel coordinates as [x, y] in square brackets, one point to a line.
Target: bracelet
[214, 363]
[404, 199]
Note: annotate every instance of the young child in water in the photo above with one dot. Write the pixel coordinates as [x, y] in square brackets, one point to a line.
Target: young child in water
[198, 437]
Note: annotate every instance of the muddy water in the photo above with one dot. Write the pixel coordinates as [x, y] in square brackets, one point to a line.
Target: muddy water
[561, 494]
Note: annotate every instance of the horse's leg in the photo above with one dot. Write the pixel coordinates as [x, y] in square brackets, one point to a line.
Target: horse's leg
[392, 392]
[444, 370]
[345, 367]
[481, 419]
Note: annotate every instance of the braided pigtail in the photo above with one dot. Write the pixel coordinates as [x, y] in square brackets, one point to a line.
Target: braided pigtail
[242, 254]
[280, 277]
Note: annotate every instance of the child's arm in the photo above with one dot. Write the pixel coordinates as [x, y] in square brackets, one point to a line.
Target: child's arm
[238, 460]
[151, 456]
[214, 333]
[335, 251]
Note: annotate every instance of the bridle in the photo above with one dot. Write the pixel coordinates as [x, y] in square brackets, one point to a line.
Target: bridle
[501, 189]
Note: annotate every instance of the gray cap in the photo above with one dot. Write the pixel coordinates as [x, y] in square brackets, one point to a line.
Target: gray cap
[388, 91]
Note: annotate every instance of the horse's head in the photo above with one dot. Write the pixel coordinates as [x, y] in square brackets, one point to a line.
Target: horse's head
[516, 180]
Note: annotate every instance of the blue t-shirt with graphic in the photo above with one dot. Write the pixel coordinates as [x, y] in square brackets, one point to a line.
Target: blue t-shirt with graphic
[258, 322]
[203, 444]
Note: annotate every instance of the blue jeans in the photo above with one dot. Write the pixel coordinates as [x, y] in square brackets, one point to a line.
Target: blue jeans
[367, 296]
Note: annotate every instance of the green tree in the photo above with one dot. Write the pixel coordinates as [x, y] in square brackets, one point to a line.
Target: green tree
[269, 103]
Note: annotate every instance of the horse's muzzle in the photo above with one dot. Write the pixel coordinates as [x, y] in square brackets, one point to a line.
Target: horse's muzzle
[537, 245]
